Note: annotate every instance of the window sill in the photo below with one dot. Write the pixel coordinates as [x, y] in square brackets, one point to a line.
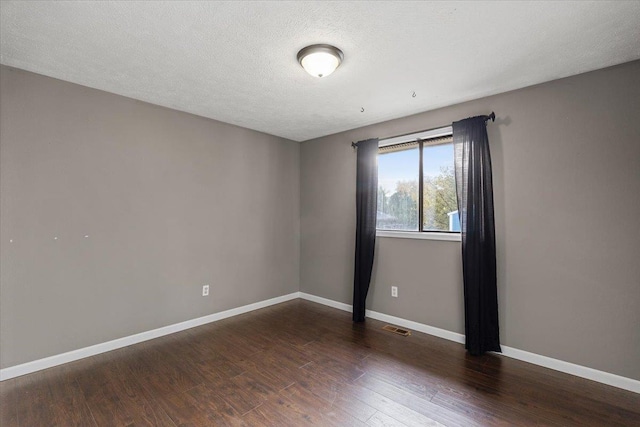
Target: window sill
[450, 237]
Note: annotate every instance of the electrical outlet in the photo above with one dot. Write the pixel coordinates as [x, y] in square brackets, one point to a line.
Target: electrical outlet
[205, 290]
[394, 291]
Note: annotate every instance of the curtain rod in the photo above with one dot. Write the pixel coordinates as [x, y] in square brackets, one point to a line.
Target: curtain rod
[491, 117]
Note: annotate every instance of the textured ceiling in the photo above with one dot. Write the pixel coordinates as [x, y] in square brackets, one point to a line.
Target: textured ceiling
[236, 61]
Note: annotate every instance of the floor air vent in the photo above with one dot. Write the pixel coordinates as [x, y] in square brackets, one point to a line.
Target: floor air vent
[399, 331]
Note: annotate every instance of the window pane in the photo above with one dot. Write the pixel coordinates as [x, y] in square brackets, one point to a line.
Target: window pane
[398, 189]
[440, 207]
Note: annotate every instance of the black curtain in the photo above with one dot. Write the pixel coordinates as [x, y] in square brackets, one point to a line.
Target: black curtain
[366, 205]
[475, 206]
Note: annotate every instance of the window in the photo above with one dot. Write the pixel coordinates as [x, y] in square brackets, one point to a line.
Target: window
[416, 183]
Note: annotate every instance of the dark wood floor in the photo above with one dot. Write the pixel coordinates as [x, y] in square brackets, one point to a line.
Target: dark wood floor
[301, 363]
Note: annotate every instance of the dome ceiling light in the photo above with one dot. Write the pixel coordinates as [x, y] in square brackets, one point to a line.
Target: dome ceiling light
[320, 60]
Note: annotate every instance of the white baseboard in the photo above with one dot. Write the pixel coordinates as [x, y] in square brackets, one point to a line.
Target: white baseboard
[420, 327]
[59, 359]
[329, 302]
[536, 359]
[573, 369]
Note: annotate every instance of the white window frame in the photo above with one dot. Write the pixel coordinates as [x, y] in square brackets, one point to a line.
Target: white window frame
[419, 235]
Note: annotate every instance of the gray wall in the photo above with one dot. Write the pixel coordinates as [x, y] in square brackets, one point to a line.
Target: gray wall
[566, 159]
[170, 202]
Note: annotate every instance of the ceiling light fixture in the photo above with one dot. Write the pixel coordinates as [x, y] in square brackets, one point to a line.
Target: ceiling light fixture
[320, 60]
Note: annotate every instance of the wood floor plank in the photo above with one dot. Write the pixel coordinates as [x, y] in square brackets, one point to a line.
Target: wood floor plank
[278, 369]
[199, 407]
[526, 375]
[299, 413]
[8, 403]
[259, 383]
[391, 408]
[483, 417]
[123, 402]
[380, 419]
[324, 364]
[339, 411]
[300, 363]
[265, 416]
[420, 382]
[50, 397]
[322, 386]
[339, 349]
[213, 370]
[171, 379]
[240, 397]
[420, 403]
